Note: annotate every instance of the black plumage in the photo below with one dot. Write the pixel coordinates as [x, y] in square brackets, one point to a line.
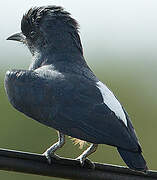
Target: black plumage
[60, 90]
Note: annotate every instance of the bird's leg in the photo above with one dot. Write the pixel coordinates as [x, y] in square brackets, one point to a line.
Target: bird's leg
[51, 150]
[92, 148]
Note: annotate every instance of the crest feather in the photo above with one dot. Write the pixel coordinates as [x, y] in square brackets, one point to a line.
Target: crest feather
[31, 20]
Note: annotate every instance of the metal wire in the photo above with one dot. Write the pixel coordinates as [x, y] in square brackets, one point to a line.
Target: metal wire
[31, 163]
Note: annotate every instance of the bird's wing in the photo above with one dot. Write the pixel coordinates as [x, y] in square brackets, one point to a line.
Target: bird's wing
[73, 104]
[89, 111]
[32, 92]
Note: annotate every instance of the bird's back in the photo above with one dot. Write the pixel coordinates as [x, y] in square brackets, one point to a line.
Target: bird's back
[70, 102]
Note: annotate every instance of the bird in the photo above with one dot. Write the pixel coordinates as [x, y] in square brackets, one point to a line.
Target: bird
[60, 90]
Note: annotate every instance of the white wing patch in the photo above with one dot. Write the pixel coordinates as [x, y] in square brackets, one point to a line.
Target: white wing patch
[111, 101]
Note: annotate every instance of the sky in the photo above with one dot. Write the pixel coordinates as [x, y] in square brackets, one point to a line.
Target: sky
[122, 29]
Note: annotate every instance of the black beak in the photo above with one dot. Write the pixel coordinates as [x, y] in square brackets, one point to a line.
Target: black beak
[17, 37]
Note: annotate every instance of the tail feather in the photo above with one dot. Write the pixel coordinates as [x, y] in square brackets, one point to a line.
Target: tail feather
[134, 160]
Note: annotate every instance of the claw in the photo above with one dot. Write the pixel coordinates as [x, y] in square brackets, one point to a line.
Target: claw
[90, 164]
[83, 157]
[50, 155]
[86, 162]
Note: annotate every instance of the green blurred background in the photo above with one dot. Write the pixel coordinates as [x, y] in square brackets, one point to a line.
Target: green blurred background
[119, 40]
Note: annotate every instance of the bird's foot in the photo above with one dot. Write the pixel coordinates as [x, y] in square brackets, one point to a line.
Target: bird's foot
[85, 162]
[49, 155]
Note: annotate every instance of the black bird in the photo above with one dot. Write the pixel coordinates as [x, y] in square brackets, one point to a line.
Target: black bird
[60, 90]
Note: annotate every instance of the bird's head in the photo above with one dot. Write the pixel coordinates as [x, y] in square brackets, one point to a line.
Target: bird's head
[48, 28]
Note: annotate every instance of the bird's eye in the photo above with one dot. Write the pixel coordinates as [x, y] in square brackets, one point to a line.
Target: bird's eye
[32, 34]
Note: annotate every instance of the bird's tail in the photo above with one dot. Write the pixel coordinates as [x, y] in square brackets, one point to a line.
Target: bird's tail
[134, 160]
